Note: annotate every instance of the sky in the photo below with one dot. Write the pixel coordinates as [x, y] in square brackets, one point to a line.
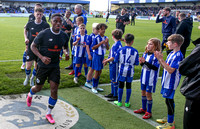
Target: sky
[99, 5]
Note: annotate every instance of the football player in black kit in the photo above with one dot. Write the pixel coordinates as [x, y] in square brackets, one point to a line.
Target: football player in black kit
[122, 20]
[31, 30]
[47, 46]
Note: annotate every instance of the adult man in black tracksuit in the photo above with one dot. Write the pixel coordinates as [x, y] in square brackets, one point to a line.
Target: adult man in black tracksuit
[185, 29]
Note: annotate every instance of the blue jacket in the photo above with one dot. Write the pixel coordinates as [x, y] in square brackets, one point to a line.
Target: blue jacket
[168, 24]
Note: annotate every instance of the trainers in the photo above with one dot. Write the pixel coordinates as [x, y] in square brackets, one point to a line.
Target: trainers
[166, 126]
[79, 74]
[88, 85]
[32, 81]
[163, 120]
[26, 80]
[147, 115]
[139, 111]
[23, 66]
[76, 80]
[72, 72]
[109, 95]
[100, 89]
[28, 100]
[94, 90]
[50, 118]
[114, 98]
[127, 105]
[118, 103]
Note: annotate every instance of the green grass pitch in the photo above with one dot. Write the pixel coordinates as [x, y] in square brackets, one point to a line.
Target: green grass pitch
[106, 114]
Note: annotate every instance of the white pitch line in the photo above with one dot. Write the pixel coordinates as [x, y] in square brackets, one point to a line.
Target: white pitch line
[149, 121]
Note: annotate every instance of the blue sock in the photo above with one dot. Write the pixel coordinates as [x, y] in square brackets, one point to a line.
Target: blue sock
[88, 81]
[149, 105]
[24, 57]
[95, 82]
[34, 72]
[120, 93]
[80, 68]
[128, 95]
[61, 53]
[52, 102]
[112, 88]
[31, 92]
[170, 118]
[144, 102]
[86, 70]
[98, 81]
[115, 87]
[28, 72]
[76, 71]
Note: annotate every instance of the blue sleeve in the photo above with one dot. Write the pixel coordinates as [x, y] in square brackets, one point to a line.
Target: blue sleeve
[94, 42]
[85, 20]
[116, 60]
[176, 61]
[159, 19]
[89, 40]
[137, 59]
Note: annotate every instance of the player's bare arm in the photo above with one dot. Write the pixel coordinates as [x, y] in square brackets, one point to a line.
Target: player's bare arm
[45, 60]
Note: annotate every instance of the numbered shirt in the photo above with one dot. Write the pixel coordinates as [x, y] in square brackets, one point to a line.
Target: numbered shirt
[149, 76]
[101, 50]
[80, 47]
[127, 57]
[114, 49]
[171, 81]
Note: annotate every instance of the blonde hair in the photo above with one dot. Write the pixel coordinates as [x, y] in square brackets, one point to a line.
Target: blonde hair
[82, 25]
[156, 42]
[94, 25]
[80, 18]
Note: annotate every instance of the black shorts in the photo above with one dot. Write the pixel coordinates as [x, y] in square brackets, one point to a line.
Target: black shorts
[31, 56]
[52, 74]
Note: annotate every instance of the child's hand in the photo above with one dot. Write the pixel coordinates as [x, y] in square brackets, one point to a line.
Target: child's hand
[104, 62]
[141, 59]
[78, 38]
[158, 55]
[106, 40]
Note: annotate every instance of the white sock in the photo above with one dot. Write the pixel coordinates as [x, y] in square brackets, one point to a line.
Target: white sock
[49, 111]
[29, 94]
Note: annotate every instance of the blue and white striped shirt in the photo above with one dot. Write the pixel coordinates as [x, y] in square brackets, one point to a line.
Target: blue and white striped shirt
[114, 49]
[127, 57]
[149, 76]
[90, 40]
[101, 50]
[80, 47]
[171, 81]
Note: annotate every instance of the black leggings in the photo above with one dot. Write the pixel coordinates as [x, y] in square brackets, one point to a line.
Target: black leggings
[128, 85]
[170, 106]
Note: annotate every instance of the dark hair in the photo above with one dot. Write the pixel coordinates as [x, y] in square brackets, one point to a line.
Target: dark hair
[167, 9]
[100, 25]
[56, 14]
[129, 38]
[38, 4]
[38, 10]
[117, 33]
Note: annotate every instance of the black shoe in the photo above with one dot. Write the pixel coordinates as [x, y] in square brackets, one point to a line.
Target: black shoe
[109, 95]
[69, 67]
[114, 98]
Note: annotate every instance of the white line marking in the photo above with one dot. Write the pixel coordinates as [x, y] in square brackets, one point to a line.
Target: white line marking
[149, 121]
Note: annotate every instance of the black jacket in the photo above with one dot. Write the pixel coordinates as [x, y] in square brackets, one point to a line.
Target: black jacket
[190, 67]
[184, 28]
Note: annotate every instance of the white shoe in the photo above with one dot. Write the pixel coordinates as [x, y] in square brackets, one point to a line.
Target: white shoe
[76, 80]
[32, 81]
[26, 80]
[23, 66]
[94, 90]
[88, 85]
[100, 89]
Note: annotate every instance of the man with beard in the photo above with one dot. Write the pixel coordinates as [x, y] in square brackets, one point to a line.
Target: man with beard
[168, 26]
